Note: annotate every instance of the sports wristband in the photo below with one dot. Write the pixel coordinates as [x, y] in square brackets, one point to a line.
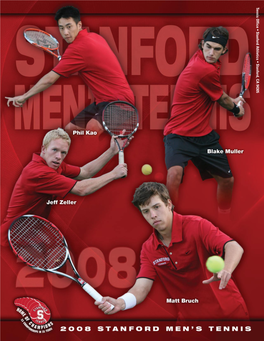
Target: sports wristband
[235, 110]
[130, 300]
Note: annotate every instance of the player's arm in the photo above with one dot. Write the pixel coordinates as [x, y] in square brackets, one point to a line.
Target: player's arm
[233, 253]
[134, 296]
[44, 83]
[231, 103]
[90, 169]
[89, 186]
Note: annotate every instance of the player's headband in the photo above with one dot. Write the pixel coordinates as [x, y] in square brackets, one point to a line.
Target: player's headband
[216, 38]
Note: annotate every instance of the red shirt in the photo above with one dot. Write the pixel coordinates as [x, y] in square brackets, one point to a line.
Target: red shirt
[90, 55]
[196, 90]
[181, 268]
[37, 184]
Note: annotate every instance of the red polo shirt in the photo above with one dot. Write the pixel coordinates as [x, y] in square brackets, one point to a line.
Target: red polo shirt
[196, 90]
[181, 268]
[90, 55]
[37, 184]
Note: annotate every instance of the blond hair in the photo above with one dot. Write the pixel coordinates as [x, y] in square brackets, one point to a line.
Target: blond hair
[54, 135]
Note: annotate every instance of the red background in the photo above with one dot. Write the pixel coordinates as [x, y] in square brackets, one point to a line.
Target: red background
[106, 220]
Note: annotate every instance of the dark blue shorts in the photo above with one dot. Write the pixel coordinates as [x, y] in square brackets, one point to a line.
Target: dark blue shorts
[204, 151]
[92, 111]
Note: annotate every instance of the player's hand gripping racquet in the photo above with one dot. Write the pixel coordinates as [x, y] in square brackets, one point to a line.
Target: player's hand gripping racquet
[246, 74]
[120, 119]
[43, 40]
[41, 245]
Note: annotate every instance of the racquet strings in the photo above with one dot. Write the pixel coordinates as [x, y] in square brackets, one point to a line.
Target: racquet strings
[120, 116]
[41, 39]
[38, 243]
[247, 70]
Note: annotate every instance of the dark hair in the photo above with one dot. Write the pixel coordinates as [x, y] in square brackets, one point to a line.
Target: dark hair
[68, 12]
[217, 31]
[144, 192]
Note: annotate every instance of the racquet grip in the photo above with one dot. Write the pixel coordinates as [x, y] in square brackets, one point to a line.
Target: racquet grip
[94, 294]
[121, 157]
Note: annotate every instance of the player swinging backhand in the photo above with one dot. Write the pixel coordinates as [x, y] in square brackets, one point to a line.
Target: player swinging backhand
[188, 135]
[89, 55]
[47, 177]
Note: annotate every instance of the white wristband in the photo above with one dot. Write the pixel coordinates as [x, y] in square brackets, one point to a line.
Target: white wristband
[130, 300]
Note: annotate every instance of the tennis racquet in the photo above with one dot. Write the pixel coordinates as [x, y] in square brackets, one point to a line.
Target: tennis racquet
[246, 74]
[120, 119]
[41, 245]
[43, 40]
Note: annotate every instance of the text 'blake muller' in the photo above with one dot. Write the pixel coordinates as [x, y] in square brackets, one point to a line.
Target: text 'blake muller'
[227, 151]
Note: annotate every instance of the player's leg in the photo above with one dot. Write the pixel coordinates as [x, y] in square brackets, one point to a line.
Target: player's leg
[224, 193]
[94, 125]
[89, 118]
[174, 179]
[178, 151]
[70, 127]
[213, 163]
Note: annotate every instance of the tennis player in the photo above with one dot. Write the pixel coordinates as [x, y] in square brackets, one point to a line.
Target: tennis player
[89, 55]
[188, 135]
[47, 177]
[176, 253]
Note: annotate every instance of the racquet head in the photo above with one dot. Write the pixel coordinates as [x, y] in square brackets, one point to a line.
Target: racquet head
[119, 116]
[43, 40]
[38, 242]
[246, 73]
[41, 245]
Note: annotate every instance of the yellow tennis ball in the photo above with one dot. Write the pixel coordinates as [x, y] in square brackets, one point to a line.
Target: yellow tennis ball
[146, 169]
[215, 264]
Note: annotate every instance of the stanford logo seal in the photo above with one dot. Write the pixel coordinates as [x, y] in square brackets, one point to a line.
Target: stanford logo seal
[35, 314]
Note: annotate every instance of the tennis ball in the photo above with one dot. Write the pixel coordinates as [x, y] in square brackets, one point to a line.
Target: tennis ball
[146, 169]
[215, 264]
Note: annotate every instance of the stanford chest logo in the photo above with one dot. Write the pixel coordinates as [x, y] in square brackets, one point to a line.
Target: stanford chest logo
[161, 261]
[35, 314]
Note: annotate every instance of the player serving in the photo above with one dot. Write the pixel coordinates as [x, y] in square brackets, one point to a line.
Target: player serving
[89, 55]
[188, 134]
